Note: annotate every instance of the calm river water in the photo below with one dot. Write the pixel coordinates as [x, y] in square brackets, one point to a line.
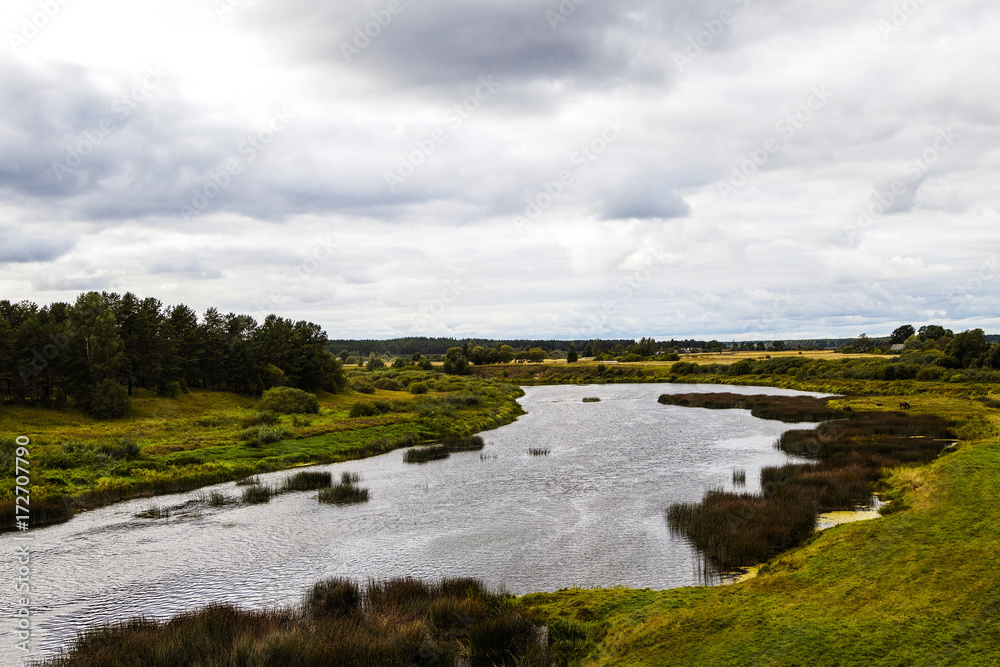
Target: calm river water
[591, 513]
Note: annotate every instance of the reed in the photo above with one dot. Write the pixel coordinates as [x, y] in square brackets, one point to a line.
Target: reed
[781, 408]
[471, 443]
[153, 512]
[257, 494]
[395, 623]
[425, 454]
[534, 451]
[740, 477]
[252, 480]
[345, 493]
[592, 399]
[308, 480]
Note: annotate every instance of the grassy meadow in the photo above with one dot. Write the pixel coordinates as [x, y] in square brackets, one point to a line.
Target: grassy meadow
[169, 445]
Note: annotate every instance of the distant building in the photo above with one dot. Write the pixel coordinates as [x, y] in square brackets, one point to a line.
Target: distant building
[898, 347]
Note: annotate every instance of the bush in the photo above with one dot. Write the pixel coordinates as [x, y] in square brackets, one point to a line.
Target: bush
[364, 409]
[170, 390]
[288, 400]
[388, 384]
[262, 418]
[362, 385]
[108, 400]
[418, 388]
[258, 436]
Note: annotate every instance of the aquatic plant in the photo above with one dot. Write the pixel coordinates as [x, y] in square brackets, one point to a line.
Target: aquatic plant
[308, 480]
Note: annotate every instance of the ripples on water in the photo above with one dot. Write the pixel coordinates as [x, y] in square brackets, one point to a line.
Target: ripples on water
[591, 513]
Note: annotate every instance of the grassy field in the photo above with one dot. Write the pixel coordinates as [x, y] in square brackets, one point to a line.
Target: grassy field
[919, 587]
[169, 445]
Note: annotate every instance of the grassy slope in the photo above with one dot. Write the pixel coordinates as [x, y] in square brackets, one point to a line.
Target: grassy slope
[195, 439]
[914, 588]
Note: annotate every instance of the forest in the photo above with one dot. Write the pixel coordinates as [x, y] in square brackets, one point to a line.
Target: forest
[91, 353]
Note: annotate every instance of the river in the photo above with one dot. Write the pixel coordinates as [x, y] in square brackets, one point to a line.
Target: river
[590, 513]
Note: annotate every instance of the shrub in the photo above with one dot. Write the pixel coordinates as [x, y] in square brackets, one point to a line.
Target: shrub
[388, 384]
[257, 436]
[288, 400]
[362, 385]
[364, 409]
[169, 389]
[418, 388]
[108, 400]
[262, 418]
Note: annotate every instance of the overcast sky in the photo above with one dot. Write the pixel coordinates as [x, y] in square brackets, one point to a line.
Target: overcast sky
[741, 169]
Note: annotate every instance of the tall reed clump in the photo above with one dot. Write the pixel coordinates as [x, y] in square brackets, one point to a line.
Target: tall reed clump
[591, 399]
[393, 623]
[733, 530]
[538, 451]
[425, 454]
[307, 480]
[257, 494]
[469, 443]
[346, 492]
[850, 455]
[740, 477]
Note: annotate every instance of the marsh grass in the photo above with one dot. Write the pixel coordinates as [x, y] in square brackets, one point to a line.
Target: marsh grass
[258, 494]
[213, 499]
[534, 451]
[307, 480]
[393, 623]
[425, 454]
[850, 456]
[782, 408]
[471, 443]
[592, 399]
[740, 477]
[344, 493]
[154, 512]
[252, 480]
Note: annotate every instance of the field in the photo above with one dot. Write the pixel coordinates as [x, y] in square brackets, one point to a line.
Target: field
[169, 445]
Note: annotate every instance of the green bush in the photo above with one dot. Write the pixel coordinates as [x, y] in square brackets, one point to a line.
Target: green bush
[388, 384]
[108, 400]
[362, 385]
[170, 390]
[418, 388]
[367, 409]
[262, 418]
[288, 400]
[257, 436]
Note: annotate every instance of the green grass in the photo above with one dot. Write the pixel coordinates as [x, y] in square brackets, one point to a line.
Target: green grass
[171, 445]
[917, 587]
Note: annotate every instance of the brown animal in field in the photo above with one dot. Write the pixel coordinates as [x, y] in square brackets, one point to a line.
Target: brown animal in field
[848, 408]
[904, 405]
[878, 405]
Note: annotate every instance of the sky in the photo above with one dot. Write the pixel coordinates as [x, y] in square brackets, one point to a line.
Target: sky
[733, 169]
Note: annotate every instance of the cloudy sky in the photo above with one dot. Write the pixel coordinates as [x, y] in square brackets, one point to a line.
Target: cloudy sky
[743, 169]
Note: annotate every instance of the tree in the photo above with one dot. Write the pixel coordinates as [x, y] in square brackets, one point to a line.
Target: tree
[506, 354]
[572, 356]
[968, 347]
[455, 362]
[901, 334]
[779, 345]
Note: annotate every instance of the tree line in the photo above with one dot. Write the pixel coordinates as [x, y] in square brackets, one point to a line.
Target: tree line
[92, 353]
